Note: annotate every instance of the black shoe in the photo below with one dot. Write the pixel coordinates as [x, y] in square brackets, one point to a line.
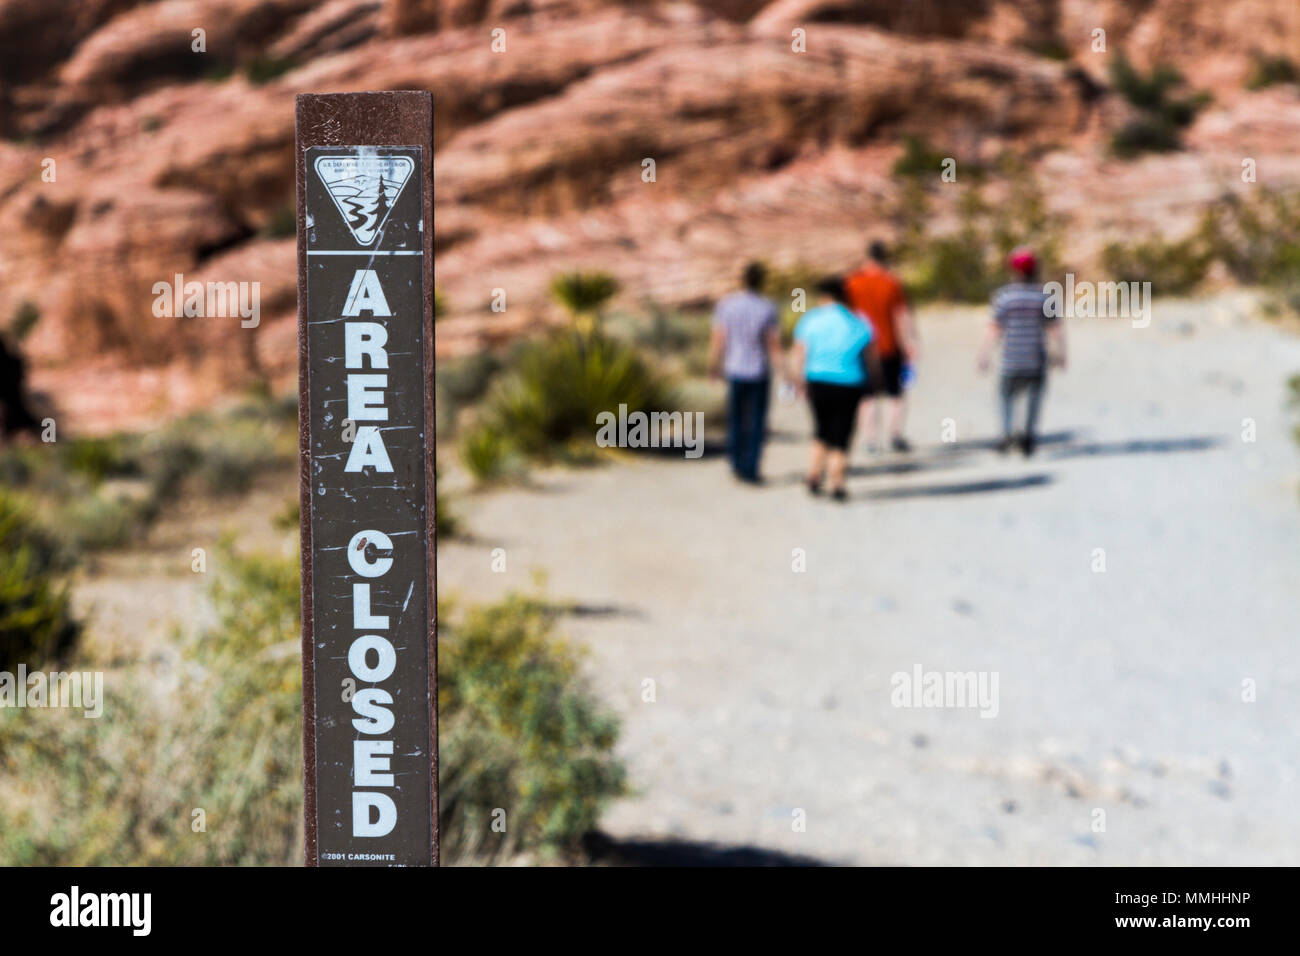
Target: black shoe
[814, 487]
[839, 494]
[1027, 443]
[1004, 445]
[901, 444]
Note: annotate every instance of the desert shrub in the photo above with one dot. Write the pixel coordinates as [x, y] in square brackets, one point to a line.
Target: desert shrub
[484, 451]
[222, 733]
[918, 159]
[1146, 134]
[121, 789]
[96, 493]
[98, 523]
[1257, 239]
[36, 623]
[546, 407]
[1147, 92]
[462, 382]
[24, 320]
[265, 68]
[282, 222]
[1271, 70]
[954, 268]
[98, 458]
[518, 730]
[969, 264]
[288, 518]
[671, 332]
[1172, 267]
[1162, 115]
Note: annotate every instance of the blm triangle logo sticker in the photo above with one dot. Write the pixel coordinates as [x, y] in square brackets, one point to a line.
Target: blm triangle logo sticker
[364, 189]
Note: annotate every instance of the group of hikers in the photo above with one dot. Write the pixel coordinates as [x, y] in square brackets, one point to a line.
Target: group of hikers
[856, 351]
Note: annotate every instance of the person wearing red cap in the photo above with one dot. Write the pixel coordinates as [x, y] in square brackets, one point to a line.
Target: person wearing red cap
[1028, 335]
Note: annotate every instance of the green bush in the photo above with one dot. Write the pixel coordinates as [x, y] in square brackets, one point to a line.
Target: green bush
[1146, 134]
[24, 320]
[1272, 70]
[282, 222]
[969, 264]
[518, 731]
[1257, 239]
[69, 479]
[1172, 268]
[36, 623]
[98, 523]
[954, 269]
[288, 518]
[484, 451]
[98, 458]
[265, 68]
[546, 407]
[461, 383]
[1149, 92]
[918, 159]
[123, 788]
[1161, 115]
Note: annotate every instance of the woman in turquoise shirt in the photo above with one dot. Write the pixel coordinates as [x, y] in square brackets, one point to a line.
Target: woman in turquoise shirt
[832, 358]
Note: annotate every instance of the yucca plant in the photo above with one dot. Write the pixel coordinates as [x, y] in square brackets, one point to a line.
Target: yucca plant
[584, 294]
[547, 407]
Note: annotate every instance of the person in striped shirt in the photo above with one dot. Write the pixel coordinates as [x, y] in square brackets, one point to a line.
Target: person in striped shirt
[1031, 340]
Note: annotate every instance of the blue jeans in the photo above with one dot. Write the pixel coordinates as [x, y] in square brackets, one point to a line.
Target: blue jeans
[1011, 385]
[746, 425]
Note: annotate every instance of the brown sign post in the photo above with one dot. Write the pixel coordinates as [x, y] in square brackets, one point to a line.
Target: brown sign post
[366, 433]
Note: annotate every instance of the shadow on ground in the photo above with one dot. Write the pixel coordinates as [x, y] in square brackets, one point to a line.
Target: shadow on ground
[960, 488]
[607, 851]
[1138, 446]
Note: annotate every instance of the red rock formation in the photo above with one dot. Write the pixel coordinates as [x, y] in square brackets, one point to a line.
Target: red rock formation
[170, 161]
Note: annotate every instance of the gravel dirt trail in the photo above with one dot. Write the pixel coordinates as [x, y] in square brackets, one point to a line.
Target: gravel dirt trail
[1119, 691]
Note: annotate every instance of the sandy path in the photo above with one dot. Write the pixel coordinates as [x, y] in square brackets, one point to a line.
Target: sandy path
[1118, 691]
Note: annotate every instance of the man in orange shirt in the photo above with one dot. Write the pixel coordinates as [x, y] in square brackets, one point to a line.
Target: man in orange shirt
[876, 294]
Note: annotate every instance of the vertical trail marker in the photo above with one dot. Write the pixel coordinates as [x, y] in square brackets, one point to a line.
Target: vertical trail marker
[366, 438]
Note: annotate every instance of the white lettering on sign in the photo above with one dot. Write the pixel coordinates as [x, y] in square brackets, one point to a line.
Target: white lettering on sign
[371, 656]
[364, 347]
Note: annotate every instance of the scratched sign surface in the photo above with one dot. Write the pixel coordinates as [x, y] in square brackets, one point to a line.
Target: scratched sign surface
[366, 382]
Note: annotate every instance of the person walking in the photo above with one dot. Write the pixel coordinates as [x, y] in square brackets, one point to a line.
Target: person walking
[875, 293]
[744, 348]
[832, 360]
[1031, 340]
